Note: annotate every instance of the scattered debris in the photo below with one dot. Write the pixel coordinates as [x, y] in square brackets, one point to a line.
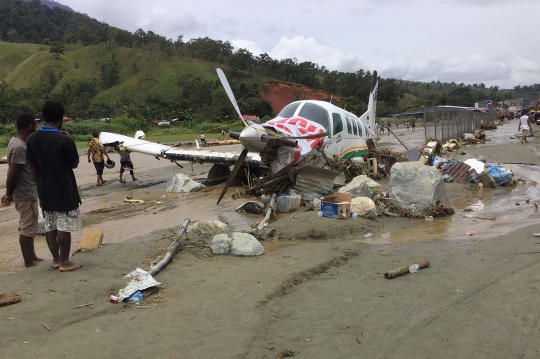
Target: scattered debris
[251, 207]
[359, 337]
[134, 201]
[3, 160]
[267, 347]
[210, 227]
[182, 183]
[91, 240]
[46, 326]
[286, 354]
[337, 206]
[89, 305]
[271, 209]
[9, 299]
[140, 280]
[404, 270]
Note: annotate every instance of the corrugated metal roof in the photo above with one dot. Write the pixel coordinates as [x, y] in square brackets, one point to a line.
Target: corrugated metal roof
[459, 171]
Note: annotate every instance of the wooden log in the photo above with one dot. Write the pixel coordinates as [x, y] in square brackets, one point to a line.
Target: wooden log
[404, 270]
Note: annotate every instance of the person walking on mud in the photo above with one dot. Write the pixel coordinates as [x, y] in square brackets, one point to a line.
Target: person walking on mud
[52, 156]
[126, 164]
[97, 154]
[203, 139]
[21, 188]
[413, 124]
[524, 126]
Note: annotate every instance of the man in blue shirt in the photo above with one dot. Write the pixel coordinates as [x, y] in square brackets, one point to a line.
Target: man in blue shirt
[52, 156]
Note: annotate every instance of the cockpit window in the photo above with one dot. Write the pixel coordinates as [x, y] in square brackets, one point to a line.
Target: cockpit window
[338, 123]
[315, 113]
[289, 110]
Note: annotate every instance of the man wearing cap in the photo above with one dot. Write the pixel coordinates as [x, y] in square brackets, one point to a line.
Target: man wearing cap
[96, 152]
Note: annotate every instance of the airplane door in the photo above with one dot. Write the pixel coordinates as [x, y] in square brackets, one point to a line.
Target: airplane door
[335, 145]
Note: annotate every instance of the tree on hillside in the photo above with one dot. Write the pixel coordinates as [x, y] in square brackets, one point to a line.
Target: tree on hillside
[84, 34]
[110, 72]
[57, 49]
[257, 106]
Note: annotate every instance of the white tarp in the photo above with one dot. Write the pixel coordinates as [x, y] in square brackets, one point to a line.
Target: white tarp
[295, 127]
[478, 166]
[141, 280]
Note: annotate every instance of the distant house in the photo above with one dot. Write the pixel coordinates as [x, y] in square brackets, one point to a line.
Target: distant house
[251, 118]
[484, 105]
[161, 123]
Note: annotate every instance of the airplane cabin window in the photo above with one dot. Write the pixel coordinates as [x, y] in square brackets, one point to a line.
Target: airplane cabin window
[355, 126]
[338, 123]
[315, 113]
[349, 124]
[289, 110]
[360, 128]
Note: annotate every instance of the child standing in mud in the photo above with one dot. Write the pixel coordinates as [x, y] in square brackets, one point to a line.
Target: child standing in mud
[126, 164]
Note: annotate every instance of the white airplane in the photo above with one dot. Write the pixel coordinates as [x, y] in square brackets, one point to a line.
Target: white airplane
[299, 127]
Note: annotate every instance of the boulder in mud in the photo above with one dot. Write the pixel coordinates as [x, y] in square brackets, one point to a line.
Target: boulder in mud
[417, 190]
[221, 244]
[286, 204]
[364, 207]
[182, 183]
[358, 189]
[244, 244]
[210, 227]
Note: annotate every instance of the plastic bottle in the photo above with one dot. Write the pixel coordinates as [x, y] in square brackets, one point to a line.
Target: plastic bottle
[429, 218]
[320, 214]
[354, 215]
[367, 235]
[414, 268]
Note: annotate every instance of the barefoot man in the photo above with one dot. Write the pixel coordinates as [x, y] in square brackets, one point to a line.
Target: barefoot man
[52, 156]
[21, 188]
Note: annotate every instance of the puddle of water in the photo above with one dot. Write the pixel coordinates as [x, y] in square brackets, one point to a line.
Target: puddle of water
[498, 203]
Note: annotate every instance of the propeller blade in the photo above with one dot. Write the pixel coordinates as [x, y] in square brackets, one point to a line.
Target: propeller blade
[237, 166]
[229, 92]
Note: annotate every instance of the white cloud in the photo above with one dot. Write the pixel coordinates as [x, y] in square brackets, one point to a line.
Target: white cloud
[248, 45]
[307, 49]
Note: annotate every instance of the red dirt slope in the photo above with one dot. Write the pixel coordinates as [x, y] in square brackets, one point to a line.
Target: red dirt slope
[280, 94]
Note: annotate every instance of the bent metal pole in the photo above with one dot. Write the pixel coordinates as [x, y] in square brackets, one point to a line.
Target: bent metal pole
[171, 250]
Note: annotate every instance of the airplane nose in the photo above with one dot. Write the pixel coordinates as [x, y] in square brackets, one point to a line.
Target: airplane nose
[250, 138]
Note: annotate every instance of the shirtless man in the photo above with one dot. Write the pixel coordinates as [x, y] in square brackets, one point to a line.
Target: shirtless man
[52, 156]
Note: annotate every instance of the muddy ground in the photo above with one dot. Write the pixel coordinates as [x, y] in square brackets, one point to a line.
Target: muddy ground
[318, 290]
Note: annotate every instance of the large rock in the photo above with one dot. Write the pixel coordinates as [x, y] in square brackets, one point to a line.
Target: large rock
[210, 227]
[182, 183]
[359, 189]
[356, 182]
[364, 206]
[221, 244]
[417, 189]
[244, 244]
[286, 204]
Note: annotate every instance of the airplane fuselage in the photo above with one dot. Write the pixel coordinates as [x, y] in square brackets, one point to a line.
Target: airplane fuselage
[347, 133]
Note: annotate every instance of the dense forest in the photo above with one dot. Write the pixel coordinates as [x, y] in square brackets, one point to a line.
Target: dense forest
[193, 96]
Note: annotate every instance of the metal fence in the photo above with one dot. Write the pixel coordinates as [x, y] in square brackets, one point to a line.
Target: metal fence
[443, 123]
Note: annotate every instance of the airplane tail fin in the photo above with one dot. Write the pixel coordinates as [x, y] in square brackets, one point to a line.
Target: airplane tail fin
[369, 116]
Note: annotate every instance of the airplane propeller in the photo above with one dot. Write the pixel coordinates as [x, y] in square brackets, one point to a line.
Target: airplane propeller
[253, 137]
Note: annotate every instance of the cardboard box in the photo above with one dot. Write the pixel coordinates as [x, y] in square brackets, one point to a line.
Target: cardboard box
[337, 205]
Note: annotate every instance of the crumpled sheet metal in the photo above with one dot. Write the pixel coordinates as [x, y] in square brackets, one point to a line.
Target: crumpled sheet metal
[459, 171]
[314, 180]
[141, 280]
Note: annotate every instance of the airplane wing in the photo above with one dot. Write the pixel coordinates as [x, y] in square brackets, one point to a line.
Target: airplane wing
[113, 140]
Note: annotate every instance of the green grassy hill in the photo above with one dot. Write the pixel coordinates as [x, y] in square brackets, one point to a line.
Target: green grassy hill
[22, 66]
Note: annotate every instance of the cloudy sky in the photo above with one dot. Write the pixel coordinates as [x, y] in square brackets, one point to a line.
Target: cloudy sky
[491, 41]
